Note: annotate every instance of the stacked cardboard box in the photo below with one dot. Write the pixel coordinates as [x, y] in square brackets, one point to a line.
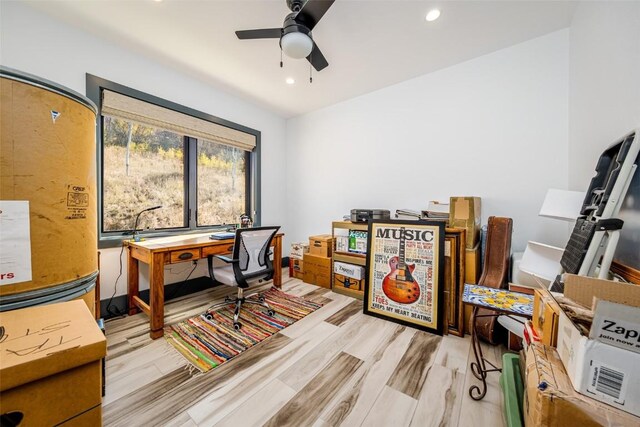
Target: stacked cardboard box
[591, 377]
[348, 275]
[602, 363]
[296, 263]
[61, 382]
[546, 313]
[317, 263]
[464, 212]
[551, 401]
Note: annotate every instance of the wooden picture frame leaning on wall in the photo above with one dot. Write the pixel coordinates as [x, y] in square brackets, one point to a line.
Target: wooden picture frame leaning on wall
[405, 273]
[454, 259]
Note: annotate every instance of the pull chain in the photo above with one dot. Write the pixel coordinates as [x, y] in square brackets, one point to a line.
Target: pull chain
[281, 58]
[310, 69]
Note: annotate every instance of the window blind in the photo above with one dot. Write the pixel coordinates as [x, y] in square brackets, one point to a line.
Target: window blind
[125, 107]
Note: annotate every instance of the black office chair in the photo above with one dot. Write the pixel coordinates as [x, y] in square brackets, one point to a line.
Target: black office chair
[249, 264]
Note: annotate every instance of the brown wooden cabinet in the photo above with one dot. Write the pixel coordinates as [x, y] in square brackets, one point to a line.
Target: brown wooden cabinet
[347, 257]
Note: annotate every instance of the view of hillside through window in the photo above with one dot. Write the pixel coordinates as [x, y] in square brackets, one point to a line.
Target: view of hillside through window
[144, 167]
[221, 184]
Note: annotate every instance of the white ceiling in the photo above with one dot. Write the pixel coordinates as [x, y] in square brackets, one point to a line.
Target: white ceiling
[368, 44]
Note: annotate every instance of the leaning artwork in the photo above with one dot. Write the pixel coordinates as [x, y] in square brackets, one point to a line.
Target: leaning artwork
[404, 273]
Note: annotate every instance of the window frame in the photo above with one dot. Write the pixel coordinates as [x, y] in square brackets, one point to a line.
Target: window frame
[94, 87]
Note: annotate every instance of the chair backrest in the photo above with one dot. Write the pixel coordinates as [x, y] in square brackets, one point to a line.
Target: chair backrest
[251, 248]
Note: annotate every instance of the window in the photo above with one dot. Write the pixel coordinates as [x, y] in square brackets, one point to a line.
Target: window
[142, 167]
[221, 183]
[152, 152]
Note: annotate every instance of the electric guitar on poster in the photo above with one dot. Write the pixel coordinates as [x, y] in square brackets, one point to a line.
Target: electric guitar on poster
[399, 285]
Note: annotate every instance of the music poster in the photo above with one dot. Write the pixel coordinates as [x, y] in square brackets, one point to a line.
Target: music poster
[405, 280]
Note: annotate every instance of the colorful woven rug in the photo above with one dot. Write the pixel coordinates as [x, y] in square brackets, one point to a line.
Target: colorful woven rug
[209, 343]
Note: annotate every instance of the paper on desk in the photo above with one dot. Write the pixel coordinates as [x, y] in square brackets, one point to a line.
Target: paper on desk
[15, 242]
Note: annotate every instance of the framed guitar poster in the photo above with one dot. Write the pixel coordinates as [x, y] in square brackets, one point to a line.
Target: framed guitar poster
[405, 273]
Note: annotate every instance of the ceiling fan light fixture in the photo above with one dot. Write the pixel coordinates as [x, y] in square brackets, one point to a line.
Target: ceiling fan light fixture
[296, 45]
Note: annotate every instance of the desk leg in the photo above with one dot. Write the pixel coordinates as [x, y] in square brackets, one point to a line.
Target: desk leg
[156, 294]
[277, 262]
[479, 367]
[132, 282]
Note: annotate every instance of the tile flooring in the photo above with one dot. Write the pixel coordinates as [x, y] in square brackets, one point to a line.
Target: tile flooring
[334, 367]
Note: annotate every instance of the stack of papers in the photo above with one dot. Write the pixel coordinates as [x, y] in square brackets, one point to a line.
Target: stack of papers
[437, 210]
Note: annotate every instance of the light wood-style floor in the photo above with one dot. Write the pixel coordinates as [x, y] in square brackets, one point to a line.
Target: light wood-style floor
[334, 367]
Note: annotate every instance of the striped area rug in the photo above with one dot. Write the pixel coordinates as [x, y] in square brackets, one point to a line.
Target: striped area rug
[209, 343]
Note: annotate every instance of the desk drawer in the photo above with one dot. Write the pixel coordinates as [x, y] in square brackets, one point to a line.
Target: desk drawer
[217, 250]
[184, 255]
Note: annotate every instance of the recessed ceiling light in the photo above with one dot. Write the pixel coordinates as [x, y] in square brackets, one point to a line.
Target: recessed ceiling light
[290, 80]
[433, 15]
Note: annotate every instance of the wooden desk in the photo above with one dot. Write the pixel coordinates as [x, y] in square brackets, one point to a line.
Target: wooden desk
[168, 250]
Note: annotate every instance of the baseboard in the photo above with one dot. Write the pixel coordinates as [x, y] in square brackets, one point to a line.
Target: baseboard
[120, 307]
[119, 304]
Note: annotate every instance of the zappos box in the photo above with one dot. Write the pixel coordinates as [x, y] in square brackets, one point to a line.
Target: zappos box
[617, 325]
[601, 371]
[349, 270]
[603, 365]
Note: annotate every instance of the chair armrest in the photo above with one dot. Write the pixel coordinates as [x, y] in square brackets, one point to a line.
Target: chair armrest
[227, 259]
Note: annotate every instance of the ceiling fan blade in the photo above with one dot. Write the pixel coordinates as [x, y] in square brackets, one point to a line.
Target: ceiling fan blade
[312, 12]
[265, 33]
[317, 59]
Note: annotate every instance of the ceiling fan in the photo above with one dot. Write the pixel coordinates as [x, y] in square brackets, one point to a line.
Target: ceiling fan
[295, 34]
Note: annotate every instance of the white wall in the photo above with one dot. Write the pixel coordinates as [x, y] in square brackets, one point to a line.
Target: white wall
[494, 127]
[35, 43]
[505, 126]
[604, 91]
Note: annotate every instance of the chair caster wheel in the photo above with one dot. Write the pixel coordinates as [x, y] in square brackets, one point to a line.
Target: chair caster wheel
[271, 313]
[208, 316]
[261, 298]
[237, 326]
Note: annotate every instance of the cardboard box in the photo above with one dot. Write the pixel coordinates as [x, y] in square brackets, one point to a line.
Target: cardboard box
[317, 270]
[92, 417]
[298, 250]
[617, 325]
[583, 290]
[65, 371]
[321, 245]
[296, 268]
[600, 370]
[349, 270]
[603, 372]
[464, 212]
[622, 318]
[551, 401]
[343, 281]
[546, 312]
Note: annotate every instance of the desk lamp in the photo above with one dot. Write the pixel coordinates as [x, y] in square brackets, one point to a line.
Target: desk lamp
[136, 237]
